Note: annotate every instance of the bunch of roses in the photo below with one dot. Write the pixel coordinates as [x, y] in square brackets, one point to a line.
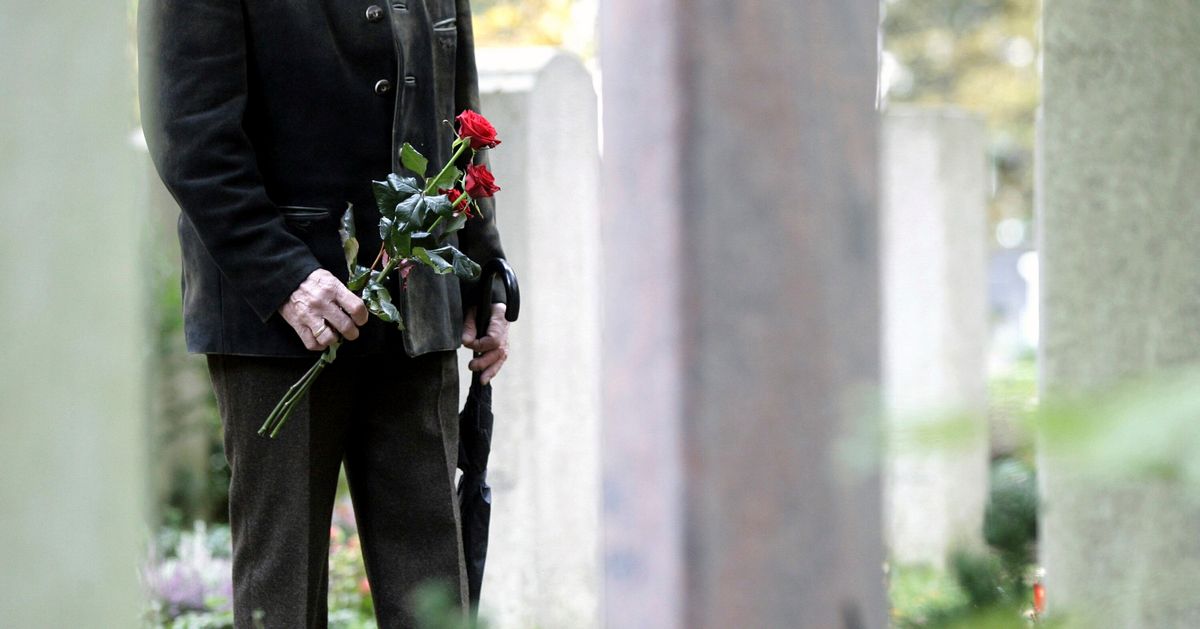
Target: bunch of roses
[414, 227]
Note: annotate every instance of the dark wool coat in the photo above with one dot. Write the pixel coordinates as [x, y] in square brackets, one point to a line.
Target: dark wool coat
[265, 118]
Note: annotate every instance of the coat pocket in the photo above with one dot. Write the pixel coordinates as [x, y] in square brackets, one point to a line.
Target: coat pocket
[317, 229]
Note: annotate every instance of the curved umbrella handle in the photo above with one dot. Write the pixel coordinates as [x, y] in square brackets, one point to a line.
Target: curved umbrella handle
[512, 292]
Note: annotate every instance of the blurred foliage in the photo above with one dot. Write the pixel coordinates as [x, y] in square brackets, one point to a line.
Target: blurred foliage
[188, 579]
[980, 55]
[191, 475]
[1138, 433]
[1137, 430]
[1012, 402]
[522, 22]
[982, 577]
[990, 586]
[923, 597]
[565, 23]
[1010, 521]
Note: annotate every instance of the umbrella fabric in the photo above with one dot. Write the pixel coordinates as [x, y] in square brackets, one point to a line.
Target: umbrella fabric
[475, 437]
[474, 494]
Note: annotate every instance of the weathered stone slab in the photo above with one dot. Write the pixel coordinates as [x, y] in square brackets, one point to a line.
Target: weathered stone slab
[543, 565]
[741, 314]
[1120, 219]
[935, 330]
[73, 452]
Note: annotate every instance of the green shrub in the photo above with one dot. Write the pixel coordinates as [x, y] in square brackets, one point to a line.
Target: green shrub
[1010, 521]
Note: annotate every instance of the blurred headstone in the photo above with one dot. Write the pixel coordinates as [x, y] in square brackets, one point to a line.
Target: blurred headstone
[543, 562]
[1120, 223]
[741, 329]
[935, 331]
[73, 453]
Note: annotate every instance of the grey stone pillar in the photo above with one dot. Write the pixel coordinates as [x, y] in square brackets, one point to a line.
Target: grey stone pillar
[935, 330]
[1120, 227]
[543, 562]
[741, 329]
[72, 456]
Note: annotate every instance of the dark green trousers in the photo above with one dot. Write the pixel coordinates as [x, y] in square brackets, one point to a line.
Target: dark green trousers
[394, 424]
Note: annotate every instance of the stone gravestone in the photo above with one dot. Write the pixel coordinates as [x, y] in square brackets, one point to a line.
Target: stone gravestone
[741, 327]
[543, 563]
[1120, 223]
[935, 331]
[72, 456]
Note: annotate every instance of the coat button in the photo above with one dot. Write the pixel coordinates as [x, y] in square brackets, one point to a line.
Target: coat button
[383, 87]
[374, 13]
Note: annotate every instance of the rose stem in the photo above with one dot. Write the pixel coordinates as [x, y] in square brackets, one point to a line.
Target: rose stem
[462, 148]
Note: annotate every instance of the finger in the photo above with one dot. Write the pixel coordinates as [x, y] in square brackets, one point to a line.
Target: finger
[497, 335]
[486, 344]
[491, 372]
[340, 321]
[352, 305]
[468, 335]
[496, 322]
[483, 361]
[326, 336]
[306, 335]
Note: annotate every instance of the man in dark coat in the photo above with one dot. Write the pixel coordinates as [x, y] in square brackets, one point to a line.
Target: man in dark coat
[264, 119]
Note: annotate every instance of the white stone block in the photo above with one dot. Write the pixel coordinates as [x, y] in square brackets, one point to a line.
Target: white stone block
[935, 331]
[73, 452]
[543, 563]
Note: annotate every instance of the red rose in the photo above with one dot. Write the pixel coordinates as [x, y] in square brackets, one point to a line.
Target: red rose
[454, 194]
[480, 182]
[477, 129]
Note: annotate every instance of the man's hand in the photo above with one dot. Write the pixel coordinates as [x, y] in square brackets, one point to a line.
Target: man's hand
[321, 309]
[492, 349]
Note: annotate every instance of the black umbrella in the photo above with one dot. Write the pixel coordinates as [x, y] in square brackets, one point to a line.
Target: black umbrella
[475, 435]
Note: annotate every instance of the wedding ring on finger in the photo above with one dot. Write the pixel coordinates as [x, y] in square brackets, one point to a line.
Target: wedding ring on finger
[319, 331]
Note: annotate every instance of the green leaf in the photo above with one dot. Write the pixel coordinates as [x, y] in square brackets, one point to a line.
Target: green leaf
[446, 260]
[434, 261]
[347, 229]
[349, 239]
[390, 193]
[455, 224]
[405, 186]
[377, 308]
[400, 244]
[378, 300]
[465, 268]
[412, 211]
[393, 313]
[377, 287]
[385, 227]
[448, 178]
[412, 159]
[359, 275]
[440, 205]
[386, 198]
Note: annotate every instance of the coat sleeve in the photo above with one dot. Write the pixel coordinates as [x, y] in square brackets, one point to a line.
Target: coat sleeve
[193, 91]
[479, 239]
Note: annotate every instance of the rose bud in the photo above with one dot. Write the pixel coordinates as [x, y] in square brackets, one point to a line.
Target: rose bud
[455, 195]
